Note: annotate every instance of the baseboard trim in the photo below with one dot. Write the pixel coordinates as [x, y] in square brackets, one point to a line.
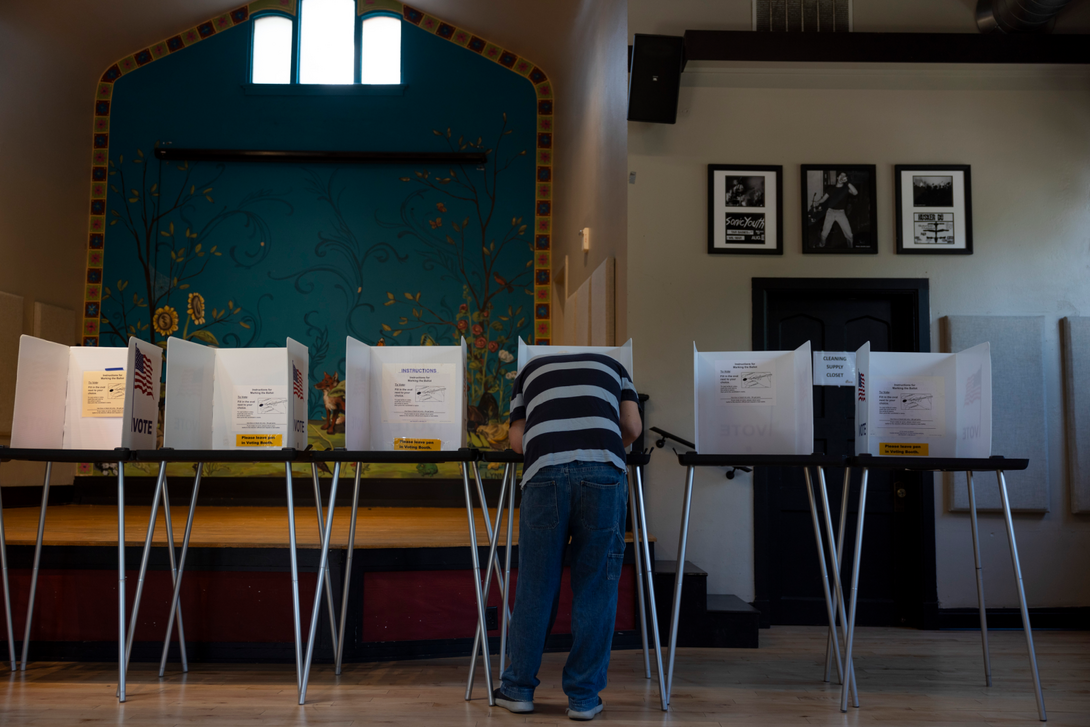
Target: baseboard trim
[1066, 619]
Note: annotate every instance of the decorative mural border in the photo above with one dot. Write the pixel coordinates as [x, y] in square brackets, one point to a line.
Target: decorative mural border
[543, 195]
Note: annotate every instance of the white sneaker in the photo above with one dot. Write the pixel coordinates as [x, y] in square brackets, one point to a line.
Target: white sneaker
[586, 714]
[512, 705]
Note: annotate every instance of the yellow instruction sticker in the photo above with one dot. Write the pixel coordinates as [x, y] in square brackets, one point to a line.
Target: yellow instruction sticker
[104, 393]
[409, 444]
[904, 449]
[259, 440]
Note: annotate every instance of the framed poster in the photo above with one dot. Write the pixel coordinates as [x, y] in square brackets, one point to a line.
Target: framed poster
[934, 214]
[745, 214]
[839, 209]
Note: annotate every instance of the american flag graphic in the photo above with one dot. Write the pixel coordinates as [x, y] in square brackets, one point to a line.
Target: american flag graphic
[142, 374]
[972, 388]
[297, 382]
[862, 388]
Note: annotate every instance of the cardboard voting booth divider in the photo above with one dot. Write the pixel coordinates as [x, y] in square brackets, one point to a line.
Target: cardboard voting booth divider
[754, 402]
[405, 398]
[623, 354]
[924, 404]
[235, 398]
[75, 397]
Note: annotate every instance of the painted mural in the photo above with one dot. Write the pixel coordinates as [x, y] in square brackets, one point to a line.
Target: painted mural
[244, 255]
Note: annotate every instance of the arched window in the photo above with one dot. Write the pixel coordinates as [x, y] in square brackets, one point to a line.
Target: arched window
[328, 46]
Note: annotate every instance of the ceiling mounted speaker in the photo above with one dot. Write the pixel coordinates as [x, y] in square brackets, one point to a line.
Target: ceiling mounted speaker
[655, 78]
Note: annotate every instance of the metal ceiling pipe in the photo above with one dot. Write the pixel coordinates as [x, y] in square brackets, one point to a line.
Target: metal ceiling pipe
[1017, 16]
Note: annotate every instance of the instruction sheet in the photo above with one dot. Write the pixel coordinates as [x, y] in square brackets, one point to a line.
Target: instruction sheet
[104, 393]
[745, 382]
[911, 406]
[419, 393]
[260, 408]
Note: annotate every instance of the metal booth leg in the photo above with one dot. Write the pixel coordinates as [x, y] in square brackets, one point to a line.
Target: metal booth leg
[683, 541]
[844, 494]
[831, 614]
[648, 574]
[508, 470]
[173, 567]
[295, 581]
[493, 562]
[121, 581]
[339, 652]
[326, 580]
[323, 564]
[855, 585]
[174, 600]
[639, 571]
[979, 581]
[477, 584]
[133, 620]
[37, 562]
[1022, 596]
[7, 589]
[489, 530]
[838, 594]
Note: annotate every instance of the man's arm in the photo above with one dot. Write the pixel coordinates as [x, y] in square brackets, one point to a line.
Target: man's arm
[631, 424]
[514, 435]
[823, 198]
[852, 189]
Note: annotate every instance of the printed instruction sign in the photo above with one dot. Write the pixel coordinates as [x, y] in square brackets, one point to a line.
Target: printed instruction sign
[745, 382]
[412, 444]
[104, 393]
[419, 393]
[260, 408]
[834, 368]
[259, 440]
[911, 406]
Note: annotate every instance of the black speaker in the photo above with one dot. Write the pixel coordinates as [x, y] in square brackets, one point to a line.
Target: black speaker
[655, 78]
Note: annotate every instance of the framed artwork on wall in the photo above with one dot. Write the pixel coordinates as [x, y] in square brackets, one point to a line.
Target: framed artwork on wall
[839, 209]
[934, 211]
[745, 210]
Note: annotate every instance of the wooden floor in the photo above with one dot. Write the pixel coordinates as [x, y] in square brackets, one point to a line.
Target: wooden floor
[906, 677]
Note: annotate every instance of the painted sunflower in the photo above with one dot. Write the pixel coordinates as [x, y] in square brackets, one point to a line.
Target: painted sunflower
[165, 321]
[196, 308]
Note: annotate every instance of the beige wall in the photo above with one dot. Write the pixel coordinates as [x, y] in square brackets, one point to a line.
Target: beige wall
[1026, 133]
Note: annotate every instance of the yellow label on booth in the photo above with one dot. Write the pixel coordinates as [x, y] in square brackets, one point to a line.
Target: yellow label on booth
[903, 449]
[409, 444]
[259, 440]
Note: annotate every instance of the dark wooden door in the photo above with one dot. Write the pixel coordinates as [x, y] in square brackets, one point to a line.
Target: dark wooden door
[898, 553]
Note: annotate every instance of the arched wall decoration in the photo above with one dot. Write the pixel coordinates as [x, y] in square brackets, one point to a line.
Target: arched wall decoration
[222, 23]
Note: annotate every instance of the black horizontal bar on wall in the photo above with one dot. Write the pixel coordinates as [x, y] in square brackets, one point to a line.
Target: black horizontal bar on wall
[321, 157]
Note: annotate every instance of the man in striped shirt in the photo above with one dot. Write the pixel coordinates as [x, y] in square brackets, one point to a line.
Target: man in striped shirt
[572, 416]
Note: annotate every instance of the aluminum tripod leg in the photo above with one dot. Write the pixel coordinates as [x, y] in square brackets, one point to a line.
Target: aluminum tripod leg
[477, 583]
[493, 561]
[838, 594]
[979, 581]
[508, 470]
[294, 581]
[174, 600]
[831, 614]
[855, 586]
[37, 562]
[339, 652]
[845, 492]
[121, 581]
[649, 575]
[133, 620]
[323, 563]
[173, 568]
[7, 588]
[683, 540]
[1022, 596]
[326, 580]
[639, 572]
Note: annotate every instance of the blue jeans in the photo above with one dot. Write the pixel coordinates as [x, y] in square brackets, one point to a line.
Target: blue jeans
[584, 501]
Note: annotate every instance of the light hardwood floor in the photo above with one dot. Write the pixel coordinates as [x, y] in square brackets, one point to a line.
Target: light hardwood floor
[906, 677]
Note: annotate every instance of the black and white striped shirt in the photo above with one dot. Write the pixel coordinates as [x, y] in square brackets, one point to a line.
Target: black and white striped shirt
[572, 407]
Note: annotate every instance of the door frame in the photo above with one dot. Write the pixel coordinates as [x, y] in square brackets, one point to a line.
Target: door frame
[917, 292]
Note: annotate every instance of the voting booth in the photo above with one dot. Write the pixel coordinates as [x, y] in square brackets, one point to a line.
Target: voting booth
[238, 398]
[622, 354]
[754, 402]
[924, 404]
[405, 398]
[75, 397]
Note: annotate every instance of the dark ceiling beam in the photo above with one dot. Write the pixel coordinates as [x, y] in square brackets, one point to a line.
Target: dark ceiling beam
[744, 45]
